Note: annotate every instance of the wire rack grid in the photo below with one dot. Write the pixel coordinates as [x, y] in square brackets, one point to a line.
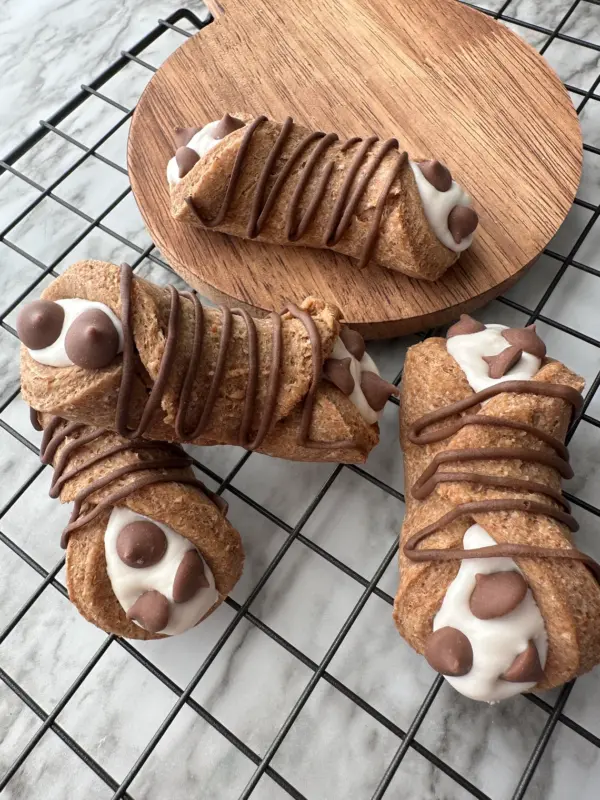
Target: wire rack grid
[264, 773]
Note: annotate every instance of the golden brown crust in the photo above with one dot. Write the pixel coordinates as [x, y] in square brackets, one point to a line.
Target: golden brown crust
[406, 242]
[185, 509]
[566, 592]
[91, 396]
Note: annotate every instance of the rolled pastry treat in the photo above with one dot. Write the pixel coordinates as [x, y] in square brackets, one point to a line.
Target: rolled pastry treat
[282, 183]
[492, 591]
[150, 552]
[104, 348]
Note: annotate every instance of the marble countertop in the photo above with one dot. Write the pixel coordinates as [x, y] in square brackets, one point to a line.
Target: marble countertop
[108, 704]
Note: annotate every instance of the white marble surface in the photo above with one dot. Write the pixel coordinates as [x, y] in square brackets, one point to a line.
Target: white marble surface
[335, 749]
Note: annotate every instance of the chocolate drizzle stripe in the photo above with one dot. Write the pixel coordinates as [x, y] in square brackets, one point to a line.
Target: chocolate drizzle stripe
[494, 454]
[55, 436]
[426, 488]
[148, 480]
[439, 434]
[557, 390]
[346, 203]
[184, 429]
[429, 479]
[60, 478]
[33, 419]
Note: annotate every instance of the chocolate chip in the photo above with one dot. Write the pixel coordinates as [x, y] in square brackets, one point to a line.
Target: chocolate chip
[151, 611]
[526, 668]
[189, 578]
[449, 652]
[437, 174]
[186, 158]
[337, 370]
[227, 125]
[92, 340]
[462, 221]
[497, 594]
[376, 390]
[465, 324]
[500, 364]
[183, 135]
[39, 323]
[526, 339]
[141, 544]
[353, 342]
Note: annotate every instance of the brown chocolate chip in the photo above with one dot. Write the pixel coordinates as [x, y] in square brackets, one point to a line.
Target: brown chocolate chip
[186, 158]
[189, 578]
[141, 544]
[500, 364]
[526, 668]
[39, 323]
[497, 594]
[465, 324]
[376, 390]
[353, 342]
[92, 340]
[151, 611]
[437, 174]
[462, 221]
[449, 652]
[337, 370]
[183, 135]
[227, 125]
[526, 339]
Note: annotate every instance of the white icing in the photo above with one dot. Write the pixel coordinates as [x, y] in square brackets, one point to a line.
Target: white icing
[201, 142]
[366, 364]
[437, 207]
[55, 354]
[129, 583]
[468, 350]
[495, 642]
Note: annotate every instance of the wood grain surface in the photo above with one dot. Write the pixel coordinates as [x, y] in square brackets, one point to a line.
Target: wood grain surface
[449, 82]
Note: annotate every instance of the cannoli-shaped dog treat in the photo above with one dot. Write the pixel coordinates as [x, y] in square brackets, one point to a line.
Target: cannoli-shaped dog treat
[282, 183]
[108, 349]
[149, 550]
[492, 588]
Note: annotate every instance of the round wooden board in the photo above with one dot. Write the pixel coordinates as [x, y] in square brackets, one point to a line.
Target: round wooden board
[446, 80]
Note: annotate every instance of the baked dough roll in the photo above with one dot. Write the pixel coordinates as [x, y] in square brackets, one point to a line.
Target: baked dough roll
[492, 589]
[282, 183]
[108, 349]
[149, 550]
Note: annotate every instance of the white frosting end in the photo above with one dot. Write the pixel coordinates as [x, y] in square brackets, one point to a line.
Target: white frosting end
[468, 349]
[437, 207]
[55, 354]
[129, 583]
[201, 142]
[366, 364]
[495, 642]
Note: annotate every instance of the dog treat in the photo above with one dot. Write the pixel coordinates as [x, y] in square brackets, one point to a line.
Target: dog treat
[282, 183]
[149, 550]
[493, 591]
[298, 385]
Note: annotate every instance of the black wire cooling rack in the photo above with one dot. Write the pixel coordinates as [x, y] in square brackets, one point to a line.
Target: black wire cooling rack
[183, 23]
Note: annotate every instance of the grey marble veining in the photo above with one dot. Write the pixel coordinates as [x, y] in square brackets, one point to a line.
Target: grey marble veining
[335, 749]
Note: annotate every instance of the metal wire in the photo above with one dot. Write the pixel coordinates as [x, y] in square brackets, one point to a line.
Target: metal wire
[407, 739]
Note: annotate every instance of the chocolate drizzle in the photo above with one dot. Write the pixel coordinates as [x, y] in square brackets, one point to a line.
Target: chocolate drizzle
[58, 432]
[187, 429]
[346, 203]
[430, 478]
